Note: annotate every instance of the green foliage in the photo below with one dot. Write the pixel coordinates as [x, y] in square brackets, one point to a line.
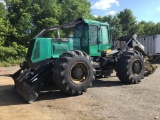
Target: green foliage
[148, 28]
[11, 55]
[123, 23]
[3, 31]
[20, 20]
[6, 52]
[44, 14]
[127, 21]
[73, 9]
[3, 11]
[21, 50]
[115, 26]
[4, 24]
[28, 17]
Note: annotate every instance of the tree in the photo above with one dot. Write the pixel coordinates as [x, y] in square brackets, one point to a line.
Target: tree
[140, 28]
[44, 14]
[123, 23]
[148, 28]
[116, 28]
[128, 22]
[4, 24]
[157, 27]
[73, 9]
[3, 11]
[28, 17]
[108, 19]
[20, 20]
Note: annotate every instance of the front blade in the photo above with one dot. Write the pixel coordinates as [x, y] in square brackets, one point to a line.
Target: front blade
[25, 91]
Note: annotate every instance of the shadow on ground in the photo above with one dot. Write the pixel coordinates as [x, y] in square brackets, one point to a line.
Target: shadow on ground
[50, 92]
[6, 75]
[9, 96]
[107, 83]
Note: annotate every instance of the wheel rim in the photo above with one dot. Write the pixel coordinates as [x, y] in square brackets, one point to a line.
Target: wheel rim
[79, 72]
[136, 67]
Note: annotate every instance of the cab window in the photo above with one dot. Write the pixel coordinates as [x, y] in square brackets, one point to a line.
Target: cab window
[104, 35]
[94, 34]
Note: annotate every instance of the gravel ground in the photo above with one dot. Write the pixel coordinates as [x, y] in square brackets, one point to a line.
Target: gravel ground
[108, 99]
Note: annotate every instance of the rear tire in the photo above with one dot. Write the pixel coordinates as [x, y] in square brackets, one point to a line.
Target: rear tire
[74, 72]
[130, 67]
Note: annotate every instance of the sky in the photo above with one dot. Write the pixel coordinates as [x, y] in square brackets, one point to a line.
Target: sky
[147, 10]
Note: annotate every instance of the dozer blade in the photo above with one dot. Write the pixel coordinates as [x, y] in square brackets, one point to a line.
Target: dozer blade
[26, 85]
[28, 81]
[25, 91]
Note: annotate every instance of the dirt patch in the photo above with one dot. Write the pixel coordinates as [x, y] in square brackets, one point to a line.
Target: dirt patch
[107, 99]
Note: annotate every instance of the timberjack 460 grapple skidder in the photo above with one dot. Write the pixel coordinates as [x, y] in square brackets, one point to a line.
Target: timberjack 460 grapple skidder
[72, 63]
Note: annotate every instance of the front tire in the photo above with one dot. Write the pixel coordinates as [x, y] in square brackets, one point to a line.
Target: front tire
[130, 67]
[74, 72]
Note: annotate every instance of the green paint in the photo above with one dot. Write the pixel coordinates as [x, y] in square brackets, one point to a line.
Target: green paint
[41, 49]
[60, 47]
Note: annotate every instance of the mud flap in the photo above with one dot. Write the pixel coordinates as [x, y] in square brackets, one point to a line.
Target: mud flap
[25, 91]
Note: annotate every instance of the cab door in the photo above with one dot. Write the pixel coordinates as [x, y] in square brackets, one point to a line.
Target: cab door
[104, 38]
[94, 40]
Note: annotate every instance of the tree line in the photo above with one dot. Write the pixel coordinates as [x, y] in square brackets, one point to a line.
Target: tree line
[21, 20]
[125, 23]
